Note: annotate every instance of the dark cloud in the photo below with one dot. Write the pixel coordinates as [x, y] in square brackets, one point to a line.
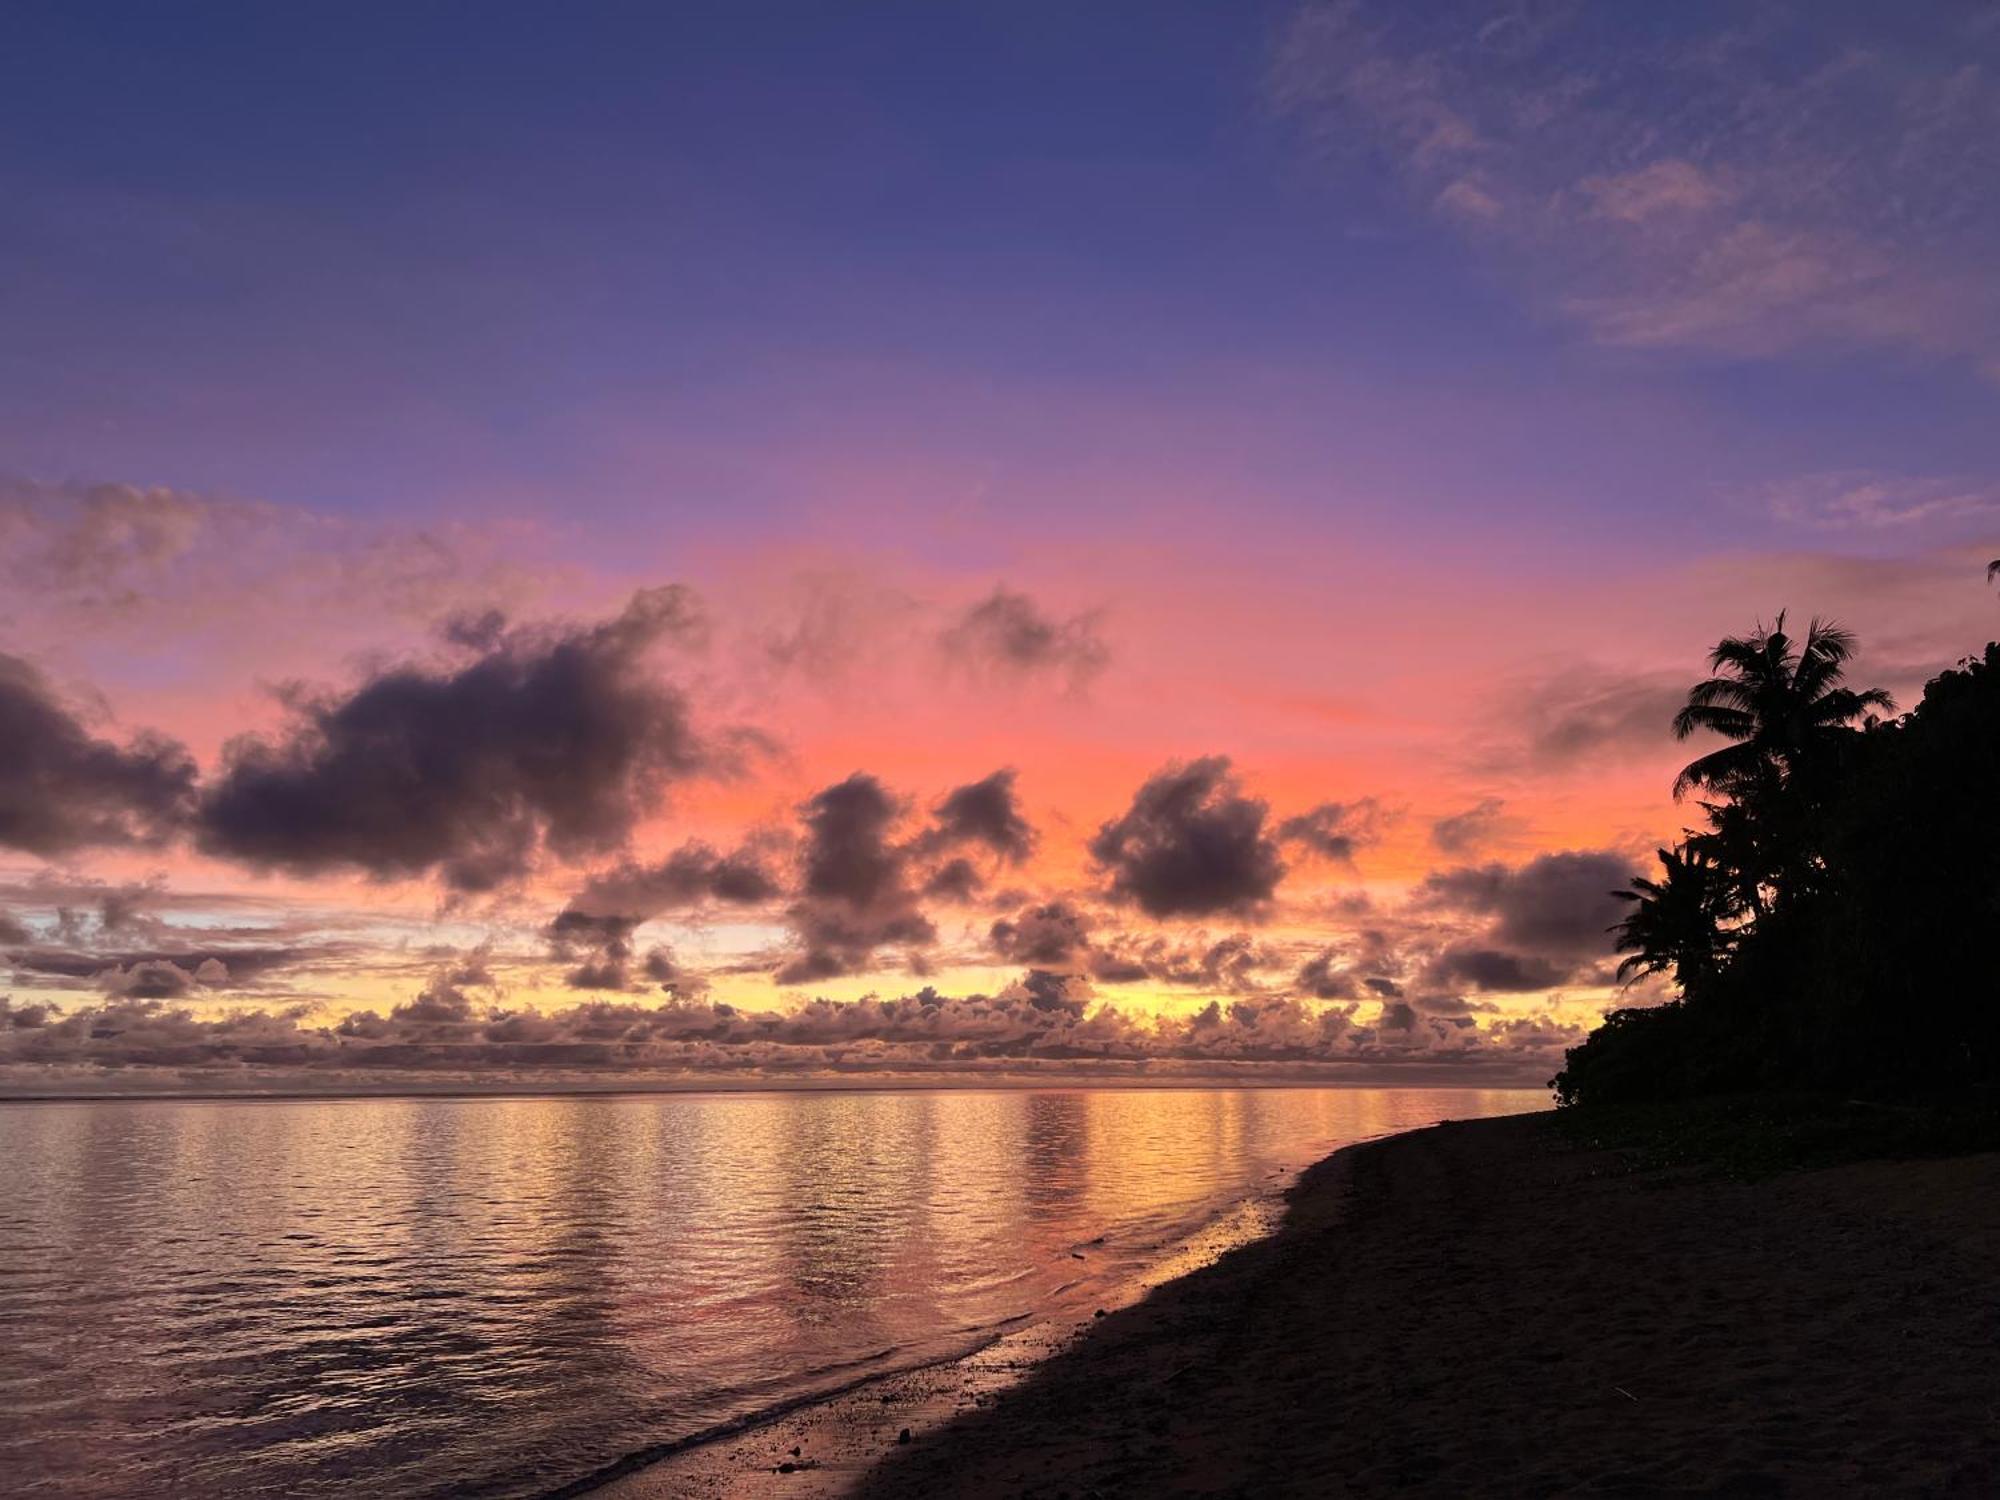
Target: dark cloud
[152, 972]
[599, 946]
[1041, 1018]
[1554, 906]
[474, 629]
[986, 813]
[854, 891]
[1053, 935]
[1325, 977]
[128, 908]
[1334, 830]
[1009, 634]
[1462, 832]
[1493, 969]
[1229, 964]
[160, 979]
[1191, 844]
[692, 875]
[550, 739]
[956, 880]
[63, 789]
[443, 1012]
[150, 1032]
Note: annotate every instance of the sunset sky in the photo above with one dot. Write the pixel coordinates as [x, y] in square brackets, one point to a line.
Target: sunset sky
[1136, 540]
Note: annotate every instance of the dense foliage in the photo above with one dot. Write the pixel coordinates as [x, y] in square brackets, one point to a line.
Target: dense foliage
[1834, 925]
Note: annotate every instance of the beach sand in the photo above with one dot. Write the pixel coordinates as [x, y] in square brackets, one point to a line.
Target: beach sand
[1485, 1308]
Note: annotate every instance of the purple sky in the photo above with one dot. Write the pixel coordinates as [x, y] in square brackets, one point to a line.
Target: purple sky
[1393, 400]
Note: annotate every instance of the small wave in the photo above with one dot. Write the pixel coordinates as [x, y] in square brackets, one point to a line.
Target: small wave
[1136, 1267]
[645, 1458]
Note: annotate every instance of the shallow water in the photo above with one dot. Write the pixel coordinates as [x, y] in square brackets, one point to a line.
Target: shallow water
[498, 1296]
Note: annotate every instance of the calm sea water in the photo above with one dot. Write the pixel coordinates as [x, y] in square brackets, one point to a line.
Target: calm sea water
[419, 1297]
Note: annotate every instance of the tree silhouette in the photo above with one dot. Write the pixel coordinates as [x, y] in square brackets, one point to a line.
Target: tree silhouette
[1779, 702]
[1830, 929]
[1676, 922]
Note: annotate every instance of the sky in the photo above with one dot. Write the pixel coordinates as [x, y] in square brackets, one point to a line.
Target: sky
[704, 544]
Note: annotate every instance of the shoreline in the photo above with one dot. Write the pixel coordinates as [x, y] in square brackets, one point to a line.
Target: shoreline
[1489, 1308]
[824, 1443]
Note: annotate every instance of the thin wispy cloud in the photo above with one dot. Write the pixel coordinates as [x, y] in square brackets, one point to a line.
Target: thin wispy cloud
[1757, 182]
[1859, 500]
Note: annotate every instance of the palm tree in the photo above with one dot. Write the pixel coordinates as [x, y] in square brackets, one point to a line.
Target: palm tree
[1993, 570]
[1781, 702]
[1676, 922]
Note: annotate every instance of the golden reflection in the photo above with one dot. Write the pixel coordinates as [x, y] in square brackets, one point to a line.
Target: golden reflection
[444, 1294]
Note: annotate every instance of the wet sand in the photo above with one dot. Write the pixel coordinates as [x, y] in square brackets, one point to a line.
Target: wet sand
[1486, 1309]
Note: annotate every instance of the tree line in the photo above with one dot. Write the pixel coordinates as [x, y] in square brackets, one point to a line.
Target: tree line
[1835, 922]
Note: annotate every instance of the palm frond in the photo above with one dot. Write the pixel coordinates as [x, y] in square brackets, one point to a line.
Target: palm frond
[1719, 768]
[1731, 723]
[1746, 655]
[1843, 705]
[1829, 640]
[1730, 691]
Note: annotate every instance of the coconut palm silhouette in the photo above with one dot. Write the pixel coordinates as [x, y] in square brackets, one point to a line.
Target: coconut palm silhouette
[1779, 701]
[1676, 921]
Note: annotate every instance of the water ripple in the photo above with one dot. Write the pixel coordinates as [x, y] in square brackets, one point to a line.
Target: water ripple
[489, 1297]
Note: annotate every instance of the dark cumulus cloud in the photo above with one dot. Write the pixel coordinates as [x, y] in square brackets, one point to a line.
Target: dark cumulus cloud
[693, 875]
[1008, 634]
[984, 813]
[1191, 844]
[1335, 830]
[62, 788]
[1229, 963]
[600, 947]
[1333, 975]
[1555, 903]
[1038, 1018]
[1471, 966]
[605, 957]
[548, 739]
[1056, 937]
[1462, 832]
[1548, 917]
[855, 893]
[161, 972]
[1052, 935]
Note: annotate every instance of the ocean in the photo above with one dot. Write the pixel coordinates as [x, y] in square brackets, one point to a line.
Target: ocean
[500, 1296]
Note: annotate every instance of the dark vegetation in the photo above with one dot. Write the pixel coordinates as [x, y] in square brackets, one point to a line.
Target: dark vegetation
[1833, 930]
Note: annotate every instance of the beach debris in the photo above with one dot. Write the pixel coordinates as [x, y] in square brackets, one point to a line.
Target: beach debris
[1625, 1393]
[903, 1436]
[1099, 1313]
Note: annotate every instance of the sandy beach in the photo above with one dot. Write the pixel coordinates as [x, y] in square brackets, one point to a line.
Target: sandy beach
[1486, 1308]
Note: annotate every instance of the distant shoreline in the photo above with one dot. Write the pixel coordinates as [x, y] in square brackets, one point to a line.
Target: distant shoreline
[1486, 1308]
[873, 1086]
